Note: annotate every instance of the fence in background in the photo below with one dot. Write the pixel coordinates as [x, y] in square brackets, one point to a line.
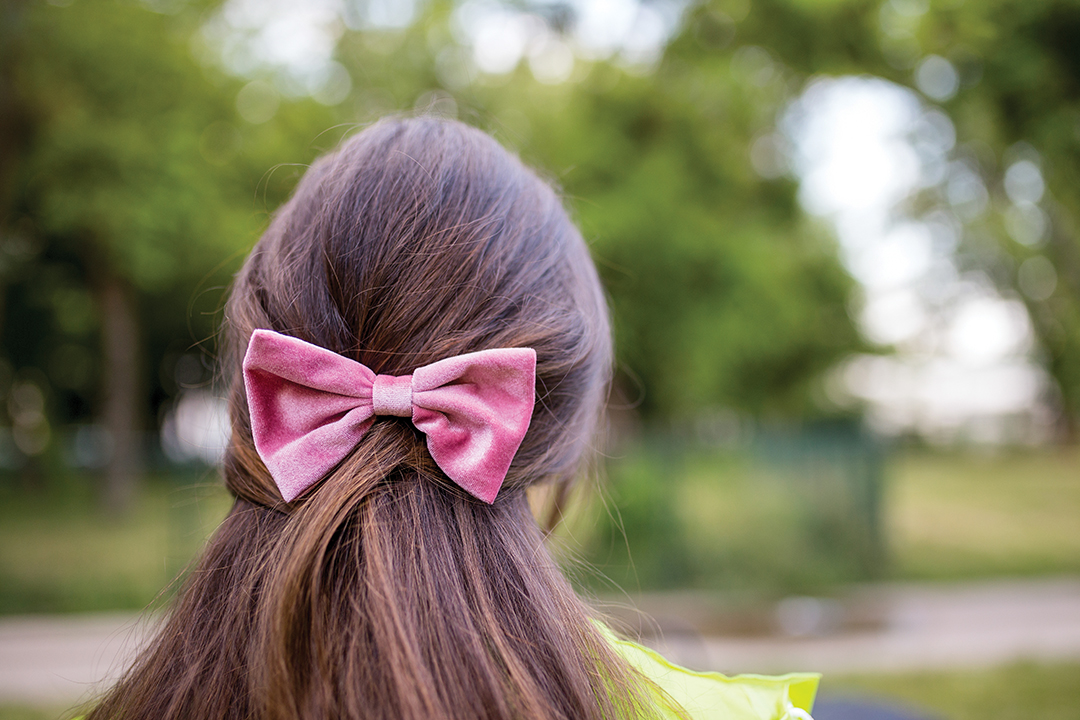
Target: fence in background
[777, 510]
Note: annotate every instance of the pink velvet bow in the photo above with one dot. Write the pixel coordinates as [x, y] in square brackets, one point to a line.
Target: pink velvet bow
[310, 406]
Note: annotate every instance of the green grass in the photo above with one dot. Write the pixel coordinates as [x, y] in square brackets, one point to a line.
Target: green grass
[723, 518]
[963, 516]
[1016, 692]
[24, 712]
[59, 552]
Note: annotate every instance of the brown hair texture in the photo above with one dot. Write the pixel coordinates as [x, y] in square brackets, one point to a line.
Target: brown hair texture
[385, 591]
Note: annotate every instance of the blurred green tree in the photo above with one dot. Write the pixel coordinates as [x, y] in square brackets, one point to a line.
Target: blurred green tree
[1017, 110]
[723, 292]
[1007, 73]
[135, 182]
[132, 176]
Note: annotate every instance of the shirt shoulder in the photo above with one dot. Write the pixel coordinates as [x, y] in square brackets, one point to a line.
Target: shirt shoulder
[709, 695]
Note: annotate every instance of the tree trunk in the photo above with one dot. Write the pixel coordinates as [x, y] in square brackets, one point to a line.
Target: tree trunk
[1060, 337]
[121, 401]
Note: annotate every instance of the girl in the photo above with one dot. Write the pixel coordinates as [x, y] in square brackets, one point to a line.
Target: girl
[419, 337]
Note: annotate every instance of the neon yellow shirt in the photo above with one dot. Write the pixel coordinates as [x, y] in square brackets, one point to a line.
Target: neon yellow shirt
[712, 696]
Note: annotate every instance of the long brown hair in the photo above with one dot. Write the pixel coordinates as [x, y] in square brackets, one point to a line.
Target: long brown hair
[385, 591]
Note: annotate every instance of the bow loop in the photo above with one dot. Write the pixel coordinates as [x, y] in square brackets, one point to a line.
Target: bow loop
[310, 407]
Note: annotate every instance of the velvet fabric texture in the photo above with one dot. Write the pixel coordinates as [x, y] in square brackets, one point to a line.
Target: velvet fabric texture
[310, 407]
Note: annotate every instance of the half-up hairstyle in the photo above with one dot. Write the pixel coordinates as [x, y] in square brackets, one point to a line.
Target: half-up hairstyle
[385, 591]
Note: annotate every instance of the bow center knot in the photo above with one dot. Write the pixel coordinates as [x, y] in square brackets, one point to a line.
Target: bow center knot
[392, 395]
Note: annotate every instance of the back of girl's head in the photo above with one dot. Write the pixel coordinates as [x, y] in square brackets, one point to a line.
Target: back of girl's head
[419, 240]
[384, 590]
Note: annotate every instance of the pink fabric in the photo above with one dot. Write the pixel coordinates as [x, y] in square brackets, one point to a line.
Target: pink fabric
[392, 395]
[310, 406]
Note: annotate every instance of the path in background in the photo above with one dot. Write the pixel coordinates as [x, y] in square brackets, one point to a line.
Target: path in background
[57, 660]
[917, 627]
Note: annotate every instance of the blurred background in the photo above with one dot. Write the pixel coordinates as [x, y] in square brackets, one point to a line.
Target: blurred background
[840, 239]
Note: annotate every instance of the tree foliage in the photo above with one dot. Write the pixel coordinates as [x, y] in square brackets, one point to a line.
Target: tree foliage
[723, 293]
[134, 184]
[1016, 97]
[129, 169]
